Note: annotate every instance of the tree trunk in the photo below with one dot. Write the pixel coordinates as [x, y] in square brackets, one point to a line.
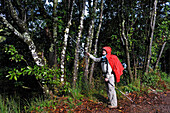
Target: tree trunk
[55, 19]
[147, 35]
[168, 61]
[152, 25]
[126, 45]
[89, 43]
[96, 42]
[160, 54]
[128, 58]
[52, 48]
[134, 62]
[27, 39]
[63, 53]
[76, 59]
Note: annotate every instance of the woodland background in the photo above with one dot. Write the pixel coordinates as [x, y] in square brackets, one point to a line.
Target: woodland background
[43, 45]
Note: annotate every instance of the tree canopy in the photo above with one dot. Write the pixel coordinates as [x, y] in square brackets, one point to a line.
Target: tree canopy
[48, 39]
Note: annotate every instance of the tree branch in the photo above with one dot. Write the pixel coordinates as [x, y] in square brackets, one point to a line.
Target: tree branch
[17, 33]
[27, 39]
[19, 22]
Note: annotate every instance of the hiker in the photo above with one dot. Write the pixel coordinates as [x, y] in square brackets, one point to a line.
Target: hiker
[111, 67]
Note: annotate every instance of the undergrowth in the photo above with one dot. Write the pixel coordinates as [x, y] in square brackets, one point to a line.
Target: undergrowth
[9, 105]
[96, 92]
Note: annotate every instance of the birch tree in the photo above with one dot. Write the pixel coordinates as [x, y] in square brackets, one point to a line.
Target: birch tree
[125, 41]
[63, 53]
[127, 51]
[24, 34]
[77, 49]
[152, 26]
[89, 41]
[96, 41]
[160, 54]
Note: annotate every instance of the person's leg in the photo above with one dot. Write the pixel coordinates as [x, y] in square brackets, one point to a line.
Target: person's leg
[112, 93]
[107, 89]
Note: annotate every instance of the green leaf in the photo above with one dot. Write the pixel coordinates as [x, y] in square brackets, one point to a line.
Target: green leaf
[59, 17]
[2, 38]
[8, 75]
[19, 73]
[12, 53]
[11, 78]
[29, 72]
[15, 78]
[29, 67]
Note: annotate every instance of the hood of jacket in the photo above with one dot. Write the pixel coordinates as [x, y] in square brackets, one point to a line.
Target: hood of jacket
[108, 50]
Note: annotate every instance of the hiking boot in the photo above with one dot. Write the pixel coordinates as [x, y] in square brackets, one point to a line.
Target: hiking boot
[109, 103]
[112, 107]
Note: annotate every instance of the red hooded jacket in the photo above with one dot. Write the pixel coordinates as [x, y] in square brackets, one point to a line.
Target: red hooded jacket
[114, 63]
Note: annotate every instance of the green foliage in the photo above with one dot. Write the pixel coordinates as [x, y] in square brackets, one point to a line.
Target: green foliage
[167, 82]
[44, 74]
[76, 93]
[2, 38]
[47, 76]
[62, 88]
[14, 74]
[60, 24]
[39, 105]
[166, 79]
[134, 86]
[150, 79]
[137, 30]
[163, 75]
[9, 105]
[163, 30]
[15, 56]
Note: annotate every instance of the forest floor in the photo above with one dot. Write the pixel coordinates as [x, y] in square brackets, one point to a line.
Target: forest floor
[153, 102]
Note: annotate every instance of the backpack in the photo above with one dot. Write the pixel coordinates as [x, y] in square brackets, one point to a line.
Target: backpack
[115, 63]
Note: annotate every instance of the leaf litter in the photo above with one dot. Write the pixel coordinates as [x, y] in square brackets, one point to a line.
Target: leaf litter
[147, 102]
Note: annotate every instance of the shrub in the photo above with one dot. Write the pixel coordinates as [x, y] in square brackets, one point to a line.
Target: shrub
[150, 79]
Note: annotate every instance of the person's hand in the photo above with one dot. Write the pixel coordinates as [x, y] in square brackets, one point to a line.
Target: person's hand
[87, 54]
[106, 79]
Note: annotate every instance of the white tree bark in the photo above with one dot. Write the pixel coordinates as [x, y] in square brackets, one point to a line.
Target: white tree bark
[24, 35]
[63, 53]
[27, 39]
[96, 42]
[127, 51]
[152, 25]
[76, 59]
[125, 40]
[157, 61]
[89, 41]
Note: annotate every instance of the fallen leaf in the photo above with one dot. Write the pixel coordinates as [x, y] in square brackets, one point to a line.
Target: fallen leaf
[120, 110]
[149, 103]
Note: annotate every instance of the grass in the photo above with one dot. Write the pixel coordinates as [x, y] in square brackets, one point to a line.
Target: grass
[39, 104]
[9, 105]
[167, 81]
[96, 94]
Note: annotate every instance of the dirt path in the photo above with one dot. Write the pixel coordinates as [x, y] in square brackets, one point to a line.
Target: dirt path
[154, 103]
[145, 103]
[148, 103]
[165, 106]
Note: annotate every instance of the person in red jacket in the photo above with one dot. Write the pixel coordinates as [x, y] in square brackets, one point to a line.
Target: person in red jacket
[111, 66]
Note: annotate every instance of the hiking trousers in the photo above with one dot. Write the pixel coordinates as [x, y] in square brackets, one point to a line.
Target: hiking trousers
[111, 92]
